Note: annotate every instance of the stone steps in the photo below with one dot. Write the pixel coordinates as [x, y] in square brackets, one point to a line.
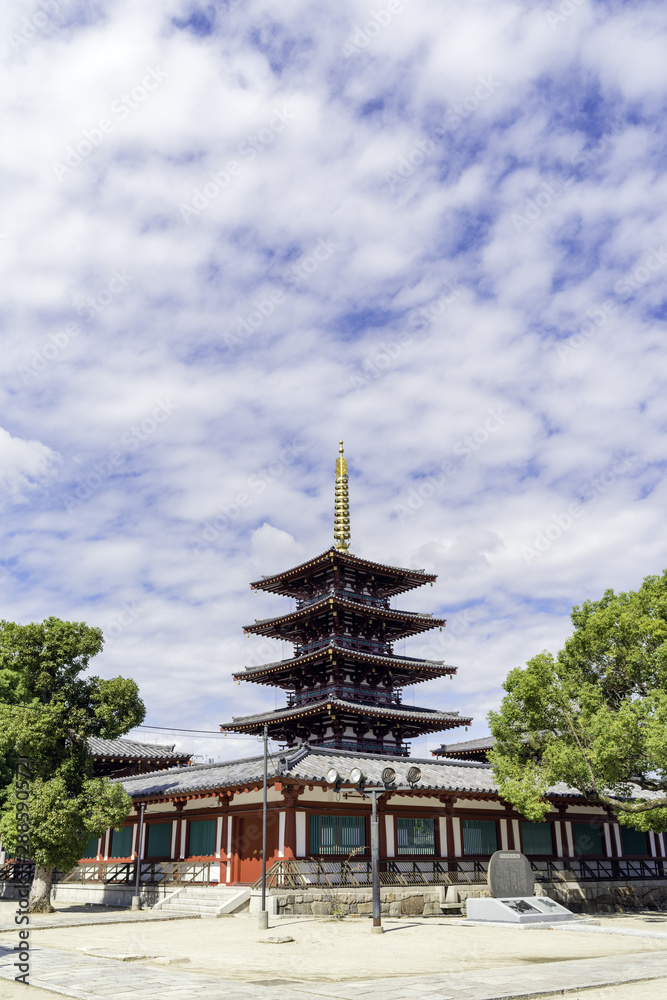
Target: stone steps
[212, 901]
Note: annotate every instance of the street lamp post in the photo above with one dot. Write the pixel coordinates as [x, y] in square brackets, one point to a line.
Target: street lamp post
[375, 861]
[136, 902]
[388, 778]
[264, 916]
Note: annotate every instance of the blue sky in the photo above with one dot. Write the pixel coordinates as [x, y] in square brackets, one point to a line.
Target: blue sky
[235, 232]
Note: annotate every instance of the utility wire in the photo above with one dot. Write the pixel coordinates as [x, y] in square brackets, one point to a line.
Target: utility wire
[202, 733]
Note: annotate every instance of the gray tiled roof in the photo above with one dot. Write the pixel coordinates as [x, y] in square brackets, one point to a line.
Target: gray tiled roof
[312, 764]
[130, 748]
[485, 743]
[398, 711]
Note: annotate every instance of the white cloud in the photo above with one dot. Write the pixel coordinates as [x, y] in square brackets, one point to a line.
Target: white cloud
[431, 291]
[24, 466]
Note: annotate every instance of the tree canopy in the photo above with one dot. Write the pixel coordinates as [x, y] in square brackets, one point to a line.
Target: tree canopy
[48, 711]
[595, 715]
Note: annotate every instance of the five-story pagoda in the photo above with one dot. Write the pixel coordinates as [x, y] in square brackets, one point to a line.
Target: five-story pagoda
[344, 680]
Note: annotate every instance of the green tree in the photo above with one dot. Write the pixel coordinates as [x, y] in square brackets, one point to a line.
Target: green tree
[594, 716]
[48, 711]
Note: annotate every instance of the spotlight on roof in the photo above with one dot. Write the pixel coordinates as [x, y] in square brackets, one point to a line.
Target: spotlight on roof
[414, 775]
[357, 778]
[388, 776]
[333, 777]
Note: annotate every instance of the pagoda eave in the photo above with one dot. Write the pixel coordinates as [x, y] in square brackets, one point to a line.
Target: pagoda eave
[402, 670]
[287, 583]
[417, 719]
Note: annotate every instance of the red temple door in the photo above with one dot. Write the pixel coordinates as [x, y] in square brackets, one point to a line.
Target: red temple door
[249, 848]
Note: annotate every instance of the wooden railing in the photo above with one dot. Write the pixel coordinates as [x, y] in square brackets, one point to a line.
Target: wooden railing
[300, 873]
[151, 873]
[119, 872]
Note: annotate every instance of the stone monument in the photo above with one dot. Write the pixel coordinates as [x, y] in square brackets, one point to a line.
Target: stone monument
[512, 901]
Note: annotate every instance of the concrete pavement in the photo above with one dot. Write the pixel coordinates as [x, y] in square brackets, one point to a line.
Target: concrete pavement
[89, 978]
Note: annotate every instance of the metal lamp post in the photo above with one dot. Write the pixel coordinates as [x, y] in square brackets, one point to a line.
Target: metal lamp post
[136, 902]
[263, 914]
[357, 778]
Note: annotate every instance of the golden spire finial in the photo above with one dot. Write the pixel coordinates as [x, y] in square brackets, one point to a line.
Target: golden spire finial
[342, 504]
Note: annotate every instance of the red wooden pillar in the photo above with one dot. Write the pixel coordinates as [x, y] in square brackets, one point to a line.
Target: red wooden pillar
[290, 795]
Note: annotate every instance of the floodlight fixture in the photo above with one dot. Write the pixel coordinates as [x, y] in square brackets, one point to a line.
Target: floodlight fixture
[414, 775]
[388, 776]
[333, 777]
[357, 778]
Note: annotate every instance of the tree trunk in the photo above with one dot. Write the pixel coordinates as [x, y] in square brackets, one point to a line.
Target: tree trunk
[40, 891]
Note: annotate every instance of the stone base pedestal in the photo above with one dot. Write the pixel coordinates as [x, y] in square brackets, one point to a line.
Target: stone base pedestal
[522, 910]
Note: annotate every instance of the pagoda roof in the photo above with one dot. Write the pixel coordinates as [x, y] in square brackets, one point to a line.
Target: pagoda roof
[418, 621]
[461, 750]
[310, 764]
[441, 720]
[435, 668]
[404, 579]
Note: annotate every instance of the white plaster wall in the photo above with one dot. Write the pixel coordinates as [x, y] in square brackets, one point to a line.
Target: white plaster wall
[559, 840]
[458, 849]
[570, 839]
[504, 842]
[619, 842]
[281, 834]
[300, 833]
[442, 822]
[482, 806]
[389, 833]
[196, 805]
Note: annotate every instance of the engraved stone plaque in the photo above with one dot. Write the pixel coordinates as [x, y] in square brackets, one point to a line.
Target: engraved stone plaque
[510, 875]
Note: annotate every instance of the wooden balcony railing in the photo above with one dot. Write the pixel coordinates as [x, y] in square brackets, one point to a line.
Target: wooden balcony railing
[301, 873]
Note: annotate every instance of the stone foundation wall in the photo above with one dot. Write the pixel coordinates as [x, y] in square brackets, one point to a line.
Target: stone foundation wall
[586, 897]
[358, 902]
[608, 897]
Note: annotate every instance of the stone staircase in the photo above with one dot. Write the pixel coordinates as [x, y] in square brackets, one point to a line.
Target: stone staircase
[205, 901]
